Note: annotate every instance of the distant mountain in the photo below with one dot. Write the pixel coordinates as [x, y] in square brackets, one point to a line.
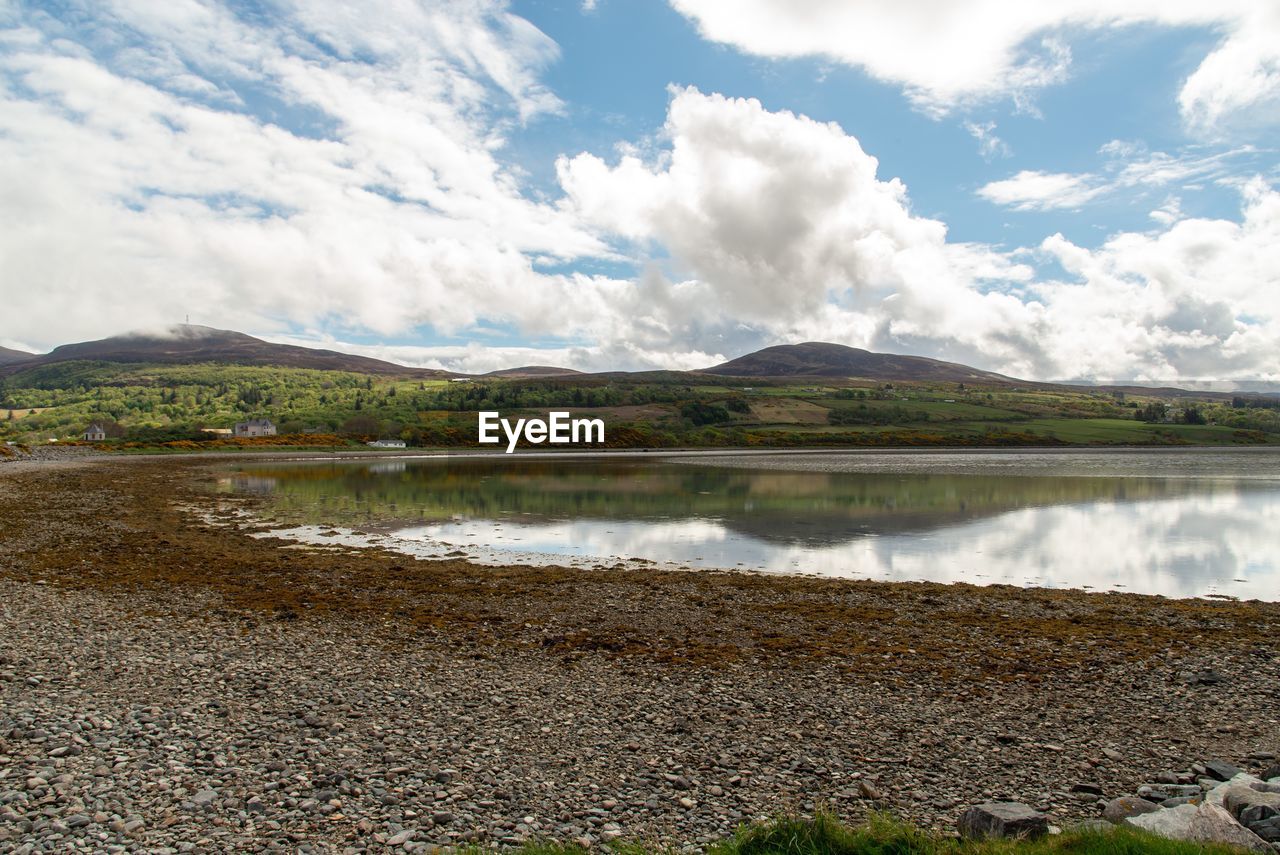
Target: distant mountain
[821, 359]
[186, 344]
[529, 371]
[8, 355]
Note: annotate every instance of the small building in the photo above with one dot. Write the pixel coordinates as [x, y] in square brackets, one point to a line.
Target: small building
[255, 427]
[95, 433]
[387, 443]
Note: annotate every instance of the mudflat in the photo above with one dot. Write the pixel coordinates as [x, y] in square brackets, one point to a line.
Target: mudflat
[168, 677]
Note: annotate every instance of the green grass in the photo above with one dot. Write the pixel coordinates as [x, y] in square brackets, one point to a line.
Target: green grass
[936, 410]
[883, 835]
[1127, 431]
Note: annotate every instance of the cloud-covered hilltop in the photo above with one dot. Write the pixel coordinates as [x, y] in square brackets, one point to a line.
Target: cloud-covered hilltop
[455, 184]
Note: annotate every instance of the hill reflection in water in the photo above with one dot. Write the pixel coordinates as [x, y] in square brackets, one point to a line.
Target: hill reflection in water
[1173, 536]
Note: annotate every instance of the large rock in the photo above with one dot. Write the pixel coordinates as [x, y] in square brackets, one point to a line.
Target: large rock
[1171, 822]
[1213, 824]
[1118, 810]
[1206, 823]
[1003, 819]
[1218, 794]
[1222, 770]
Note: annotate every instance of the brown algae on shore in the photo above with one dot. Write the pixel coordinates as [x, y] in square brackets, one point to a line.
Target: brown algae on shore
[116, 525]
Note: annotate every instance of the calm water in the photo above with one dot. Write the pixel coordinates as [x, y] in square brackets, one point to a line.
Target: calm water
[1182, 524]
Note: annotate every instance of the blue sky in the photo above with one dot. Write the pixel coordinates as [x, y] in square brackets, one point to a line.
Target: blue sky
[1087, 191]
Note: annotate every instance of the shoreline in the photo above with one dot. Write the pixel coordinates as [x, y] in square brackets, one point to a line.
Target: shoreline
[264, 684]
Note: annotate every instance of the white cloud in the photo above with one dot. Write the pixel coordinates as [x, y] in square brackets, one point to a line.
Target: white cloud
[1130, 166]
[133, 202]
[989, 145]
[1031, 190]
[779, 223]
[481, 358]
[947, 55]
[136, 192]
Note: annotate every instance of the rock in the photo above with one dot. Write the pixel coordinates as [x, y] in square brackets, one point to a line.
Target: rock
[1212, 824]
[1091, 789]
[1218, 794]
[1272, 771]
[204, 798]
[402, 837]
[1118, 810]
[1002, 819]
[1208, 677]
[442, 817]
[1181, 800]
[1251, 815]
[1222, 770]
[1167, 822]
[1112, 755]
[868, 791]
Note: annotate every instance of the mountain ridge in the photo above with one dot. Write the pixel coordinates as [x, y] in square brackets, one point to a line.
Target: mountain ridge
[9, 356]
[187, 343]
[824, 359]
[192, 344]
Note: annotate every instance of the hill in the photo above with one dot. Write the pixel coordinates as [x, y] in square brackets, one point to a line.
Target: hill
[187, 344]
[8, 356]
[530, 371]
[822, 359]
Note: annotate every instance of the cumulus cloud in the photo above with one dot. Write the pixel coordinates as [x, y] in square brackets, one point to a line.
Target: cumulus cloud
[384, 206]
[948, 55]
[781, 224]
[329, 171]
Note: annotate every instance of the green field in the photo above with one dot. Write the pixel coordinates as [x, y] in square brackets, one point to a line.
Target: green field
[150, 405]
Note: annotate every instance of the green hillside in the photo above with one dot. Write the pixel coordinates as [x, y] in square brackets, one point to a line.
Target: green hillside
[152, 403]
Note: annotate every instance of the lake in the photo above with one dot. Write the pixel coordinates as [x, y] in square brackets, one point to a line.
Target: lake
[1181, 523]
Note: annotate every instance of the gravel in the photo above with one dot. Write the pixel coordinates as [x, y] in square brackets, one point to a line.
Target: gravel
[155, 696]
[167, 722]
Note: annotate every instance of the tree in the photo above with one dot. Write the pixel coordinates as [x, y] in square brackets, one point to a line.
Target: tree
[1153, 412]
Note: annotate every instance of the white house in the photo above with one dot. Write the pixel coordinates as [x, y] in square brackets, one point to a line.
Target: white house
[95, 433]
[255, 427]
[387, 443]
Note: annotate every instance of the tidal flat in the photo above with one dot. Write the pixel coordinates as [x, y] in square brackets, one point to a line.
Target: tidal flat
[169, 676]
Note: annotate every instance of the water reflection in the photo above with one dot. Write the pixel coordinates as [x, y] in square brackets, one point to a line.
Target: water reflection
[1173, 536]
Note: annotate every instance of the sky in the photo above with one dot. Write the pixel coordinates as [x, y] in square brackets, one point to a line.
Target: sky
[1082, 190]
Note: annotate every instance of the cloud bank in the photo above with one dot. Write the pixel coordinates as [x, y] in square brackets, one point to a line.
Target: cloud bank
[349, 175]
[951, 55]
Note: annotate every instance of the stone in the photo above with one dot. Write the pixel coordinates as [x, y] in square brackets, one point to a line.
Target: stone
[1002, 819]
[1118, 810]
[1112, 754]
[1213, 824]
[1222, 770]
[402, 837]
[1091, 789]
[1207, 677]
[1251, 815]
[1166, 822]
[1181, 800]
[1272, 771]
[442, 817]
[868, 791]
[204, 798]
